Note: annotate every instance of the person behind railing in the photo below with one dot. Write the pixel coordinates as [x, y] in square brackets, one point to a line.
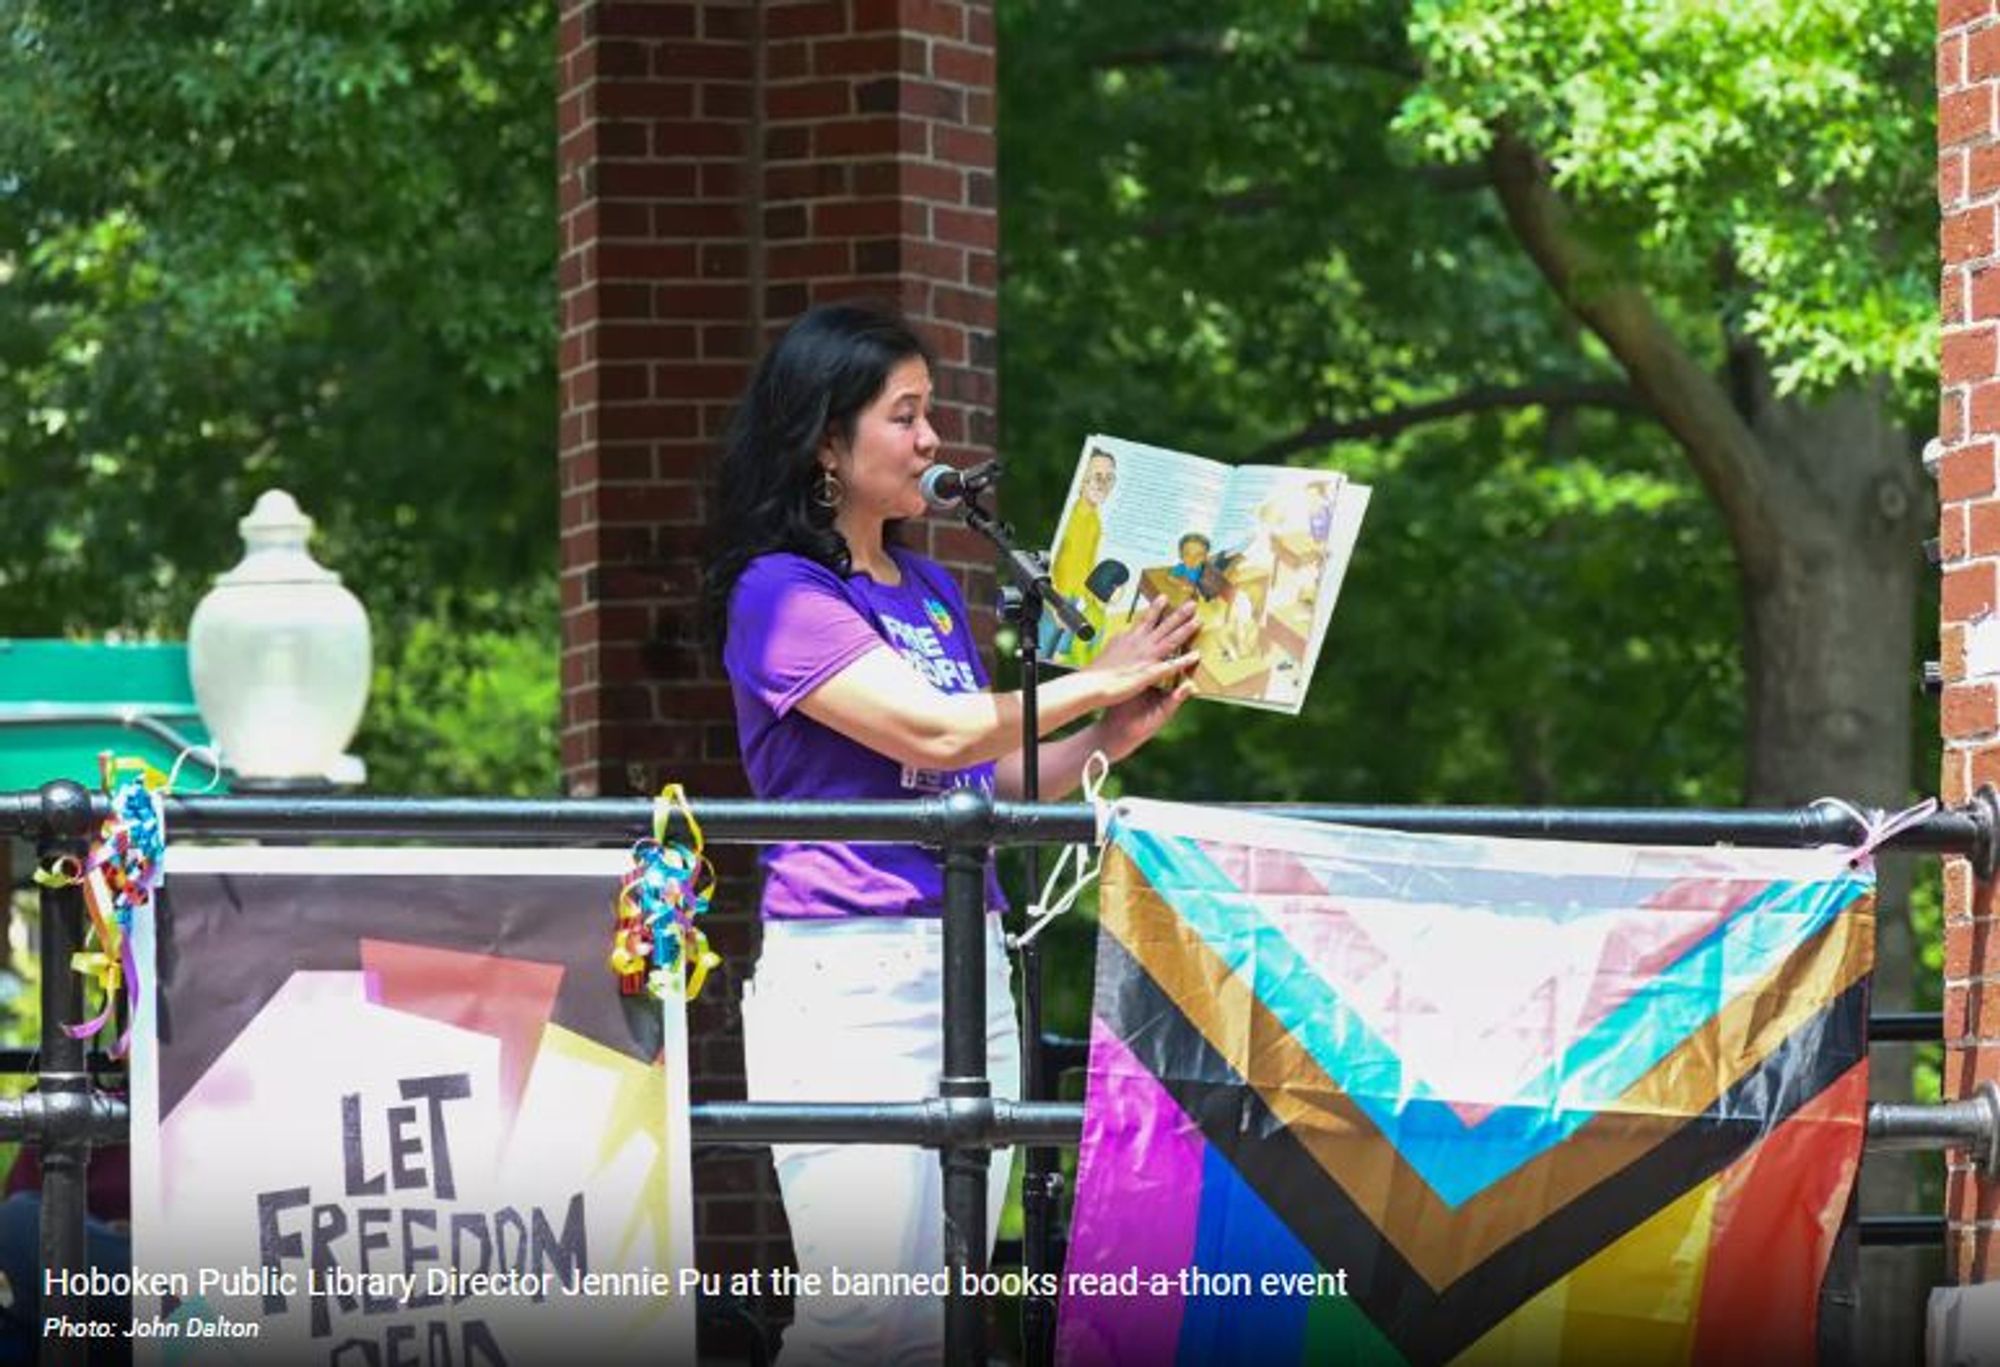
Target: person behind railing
[855, 674]
[107, 1242]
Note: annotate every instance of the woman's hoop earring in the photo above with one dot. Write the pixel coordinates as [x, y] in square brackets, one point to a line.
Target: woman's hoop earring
[827, 493]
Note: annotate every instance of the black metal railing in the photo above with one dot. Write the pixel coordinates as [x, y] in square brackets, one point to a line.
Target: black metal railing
[67, 1115]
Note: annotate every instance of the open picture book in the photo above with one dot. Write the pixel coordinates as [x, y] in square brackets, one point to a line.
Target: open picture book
[1261, 549]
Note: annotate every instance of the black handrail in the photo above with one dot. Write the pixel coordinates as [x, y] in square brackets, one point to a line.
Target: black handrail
[1967, 831]
[66, 1116]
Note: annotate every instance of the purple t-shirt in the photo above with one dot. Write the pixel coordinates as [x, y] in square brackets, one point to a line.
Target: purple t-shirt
[794, 624]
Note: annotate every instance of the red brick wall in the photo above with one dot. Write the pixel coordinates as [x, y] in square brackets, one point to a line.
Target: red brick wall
[657, 298]
[724, 164]
[878, 179]
[1969, 544]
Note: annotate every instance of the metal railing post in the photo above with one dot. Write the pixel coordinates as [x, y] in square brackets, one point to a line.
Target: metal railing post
[64, 1083]
[966, 1090]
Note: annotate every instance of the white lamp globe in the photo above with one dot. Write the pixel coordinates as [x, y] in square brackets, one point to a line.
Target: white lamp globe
[279, 654]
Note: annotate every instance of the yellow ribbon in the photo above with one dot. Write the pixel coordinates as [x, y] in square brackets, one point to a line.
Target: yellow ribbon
[104, 968]
[696, 959]
[110, 766]
[700, 960]
[673, 798]
[103, 961]
[64, 871]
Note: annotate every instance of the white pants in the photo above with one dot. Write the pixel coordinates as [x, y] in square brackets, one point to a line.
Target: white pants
[852, 1010]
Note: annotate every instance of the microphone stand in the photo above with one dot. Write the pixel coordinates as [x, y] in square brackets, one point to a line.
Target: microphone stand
[1022, 604]
[1030, 576]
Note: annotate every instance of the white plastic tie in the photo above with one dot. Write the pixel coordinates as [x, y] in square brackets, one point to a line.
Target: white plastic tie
[211, 755]
[1877, 826]
[1075, 860]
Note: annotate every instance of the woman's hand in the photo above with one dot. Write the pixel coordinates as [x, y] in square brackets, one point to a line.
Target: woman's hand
[1151, 652]
[1130, 724]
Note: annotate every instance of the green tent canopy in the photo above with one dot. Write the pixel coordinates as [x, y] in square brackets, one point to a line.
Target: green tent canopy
[62, 703]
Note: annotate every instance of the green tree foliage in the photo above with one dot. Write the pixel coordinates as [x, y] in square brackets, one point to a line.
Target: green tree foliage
[297, 243]
[1770, 160]
[1310, 231]
[1222, 218]
[293, 242]
[466, 700]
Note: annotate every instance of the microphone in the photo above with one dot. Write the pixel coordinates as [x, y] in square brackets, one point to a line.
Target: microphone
[945, 487]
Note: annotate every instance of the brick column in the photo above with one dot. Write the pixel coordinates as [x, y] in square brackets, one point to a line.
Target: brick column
[658, 292]
[878, 179]
[724, 164]
[1969, 546]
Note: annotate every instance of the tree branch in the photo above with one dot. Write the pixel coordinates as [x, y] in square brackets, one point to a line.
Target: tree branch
[1548, 394]
[1691, 403]
[1244, 204]
[1261, 199]
[1201, 49]
[1167, 52]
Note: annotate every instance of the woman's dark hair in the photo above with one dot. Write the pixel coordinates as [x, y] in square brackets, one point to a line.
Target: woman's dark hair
[828, 366]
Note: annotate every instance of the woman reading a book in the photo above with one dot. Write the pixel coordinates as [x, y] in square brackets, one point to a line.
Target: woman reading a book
[854, 674]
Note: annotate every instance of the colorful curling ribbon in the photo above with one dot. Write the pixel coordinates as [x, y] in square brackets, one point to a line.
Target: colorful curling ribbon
[657, 949]
[119, 877]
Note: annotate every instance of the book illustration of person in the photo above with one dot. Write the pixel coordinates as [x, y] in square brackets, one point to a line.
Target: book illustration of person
[1319, 518]
[1260, 546]
[1077, 554]
[1258, 568]
[1243, 636]
[1300, 555]
[1212, 577]
[1193, 550]
[1201, 575]
[1100, 586]
[1196, 574]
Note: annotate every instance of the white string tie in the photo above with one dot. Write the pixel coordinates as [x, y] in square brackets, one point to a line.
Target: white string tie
[1081, 863]
[1878, 827]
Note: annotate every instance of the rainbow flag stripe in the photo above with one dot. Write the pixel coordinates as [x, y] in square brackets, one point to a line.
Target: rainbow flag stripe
[1367, 1096]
